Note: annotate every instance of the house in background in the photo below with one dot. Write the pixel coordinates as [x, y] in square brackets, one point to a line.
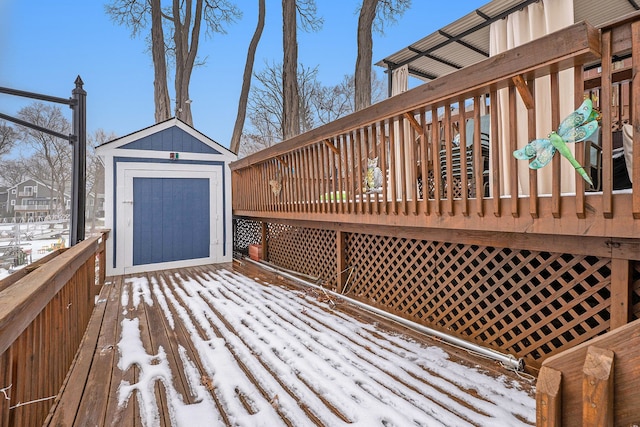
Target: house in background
[95, 205]
[34, 199]
[4, 196]
[168, 199]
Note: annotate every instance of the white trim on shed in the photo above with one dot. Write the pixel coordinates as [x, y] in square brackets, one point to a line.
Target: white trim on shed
[167, 152]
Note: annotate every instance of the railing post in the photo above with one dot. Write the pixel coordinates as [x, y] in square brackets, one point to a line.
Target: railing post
[597, 388]
[79, 162]
[620, 292]
[607, 142]
[549, 398]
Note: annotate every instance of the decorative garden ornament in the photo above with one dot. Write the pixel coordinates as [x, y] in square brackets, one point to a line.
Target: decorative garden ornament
[577, 127]
[373, 179]
[276, 184]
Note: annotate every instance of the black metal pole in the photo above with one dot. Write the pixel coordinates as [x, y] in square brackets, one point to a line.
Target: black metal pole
[79, 163]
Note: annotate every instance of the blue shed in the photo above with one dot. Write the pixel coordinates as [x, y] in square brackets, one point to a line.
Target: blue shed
[167, 199]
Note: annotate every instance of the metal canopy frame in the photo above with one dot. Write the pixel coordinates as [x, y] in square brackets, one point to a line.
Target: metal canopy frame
[458, 39]
[78, 103]
[439, 53]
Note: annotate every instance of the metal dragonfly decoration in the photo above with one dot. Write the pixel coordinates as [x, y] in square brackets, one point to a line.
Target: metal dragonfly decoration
[576, 127]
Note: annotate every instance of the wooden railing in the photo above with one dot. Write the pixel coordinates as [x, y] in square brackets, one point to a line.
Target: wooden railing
[321, 175]
[594, 384]
[44, 311]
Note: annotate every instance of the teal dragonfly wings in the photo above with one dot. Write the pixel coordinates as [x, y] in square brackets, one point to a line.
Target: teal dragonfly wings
[578, 126]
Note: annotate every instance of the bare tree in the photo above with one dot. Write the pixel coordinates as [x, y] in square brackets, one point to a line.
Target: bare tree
[13, 172]
[290, 96]
[333, 102]
[318, 105]
[266, 102]
[8, 136]
[246, 79]
[95, 172]
[183, 20]
[373, 15]
[52, 157]
[159, 55]
[292, 9]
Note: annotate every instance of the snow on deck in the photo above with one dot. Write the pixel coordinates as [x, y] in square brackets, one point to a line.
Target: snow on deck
[210, 346]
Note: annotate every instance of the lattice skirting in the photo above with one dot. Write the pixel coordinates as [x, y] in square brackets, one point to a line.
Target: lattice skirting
[306, 250]
[527, 303]
[246, 232]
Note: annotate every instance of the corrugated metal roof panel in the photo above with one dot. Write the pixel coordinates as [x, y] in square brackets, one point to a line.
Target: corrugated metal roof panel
[598, 13]
[478, 35]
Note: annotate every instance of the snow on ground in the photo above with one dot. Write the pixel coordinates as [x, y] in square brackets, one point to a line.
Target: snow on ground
[32, 236]
[37, 252]
[286, 352]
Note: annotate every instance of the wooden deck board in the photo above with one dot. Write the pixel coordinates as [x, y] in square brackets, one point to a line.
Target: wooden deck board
[191, 352]
[243, 347]
[95, 397]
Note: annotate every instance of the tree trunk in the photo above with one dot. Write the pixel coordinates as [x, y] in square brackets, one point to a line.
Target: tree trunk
[160, 88]
[185, 54]
[364, 59]
[246, 80]
[291, 114]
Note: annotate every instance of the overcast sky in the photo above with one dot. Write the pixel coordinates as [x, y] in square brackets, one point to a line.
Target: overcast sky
[45, 44]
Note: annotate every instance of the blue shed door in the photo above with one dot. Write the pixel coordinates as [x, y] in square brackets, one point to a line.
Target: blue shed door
[171, 219]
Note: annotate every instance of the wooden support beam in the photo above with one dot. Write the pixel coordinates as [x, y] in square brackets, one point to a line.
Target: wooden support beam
[549, 398]
[607, 143]
[620, 292]
[265, 246]
[341, 264]
[282, 162]
[556, 184]
[495, 157]
[332, 147]
[523, 90]
[413, 122]
[578, 90]
[513, 145]
[597, 388]
[533, 173]
[635, 112]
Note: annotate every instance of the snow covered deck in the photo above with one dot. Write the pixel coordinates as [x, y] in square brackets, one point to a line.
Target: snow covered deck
[235, 345]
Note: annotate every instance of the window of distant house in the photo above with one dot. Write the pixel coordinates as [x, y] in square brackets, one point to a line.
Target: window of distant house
[13, 191]
[28, 190]
[13, 203]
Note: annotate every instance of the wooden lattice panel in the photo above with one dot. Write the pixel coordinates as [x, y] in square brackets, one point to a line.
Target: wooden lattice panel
[530, 304]
[457, 189]
[635, 291]
[246, 232]
[430, 186]
[306, 250]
